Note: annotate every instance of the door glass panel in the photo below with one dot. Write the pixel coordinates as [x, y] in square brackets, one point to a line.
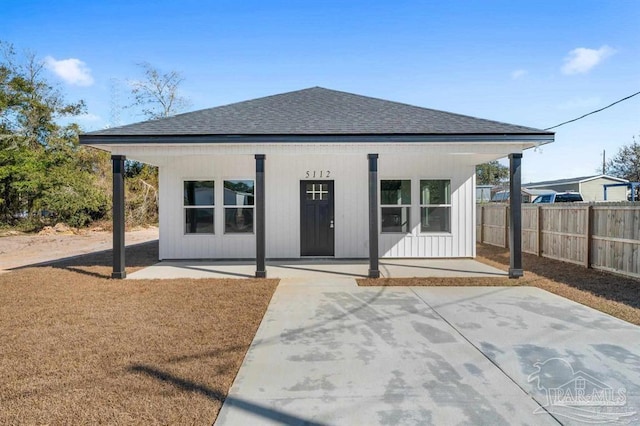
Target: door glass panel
[317, 191]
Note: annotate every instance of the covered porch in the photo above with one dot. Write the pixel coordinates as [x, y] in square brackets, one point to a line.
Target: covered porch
[321, 269]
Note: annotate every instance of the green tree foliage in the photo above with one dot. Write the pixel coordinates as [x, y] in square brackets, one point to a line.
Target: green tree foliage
[44, 173]
[491, 173]
[626, 163]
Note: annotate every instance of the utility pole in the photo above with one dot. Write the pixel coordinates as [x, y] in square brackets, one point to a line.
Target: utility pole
[604, 162]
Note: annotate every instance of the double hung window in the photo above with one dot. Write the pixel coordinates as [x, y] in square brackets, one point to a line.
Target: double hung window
[198, 206]
[238, 206]
[435, 205]
[395, 201]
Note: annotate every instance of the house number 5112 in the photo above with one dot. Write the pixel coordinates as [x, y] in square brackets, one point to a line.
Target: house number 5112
[317, 174]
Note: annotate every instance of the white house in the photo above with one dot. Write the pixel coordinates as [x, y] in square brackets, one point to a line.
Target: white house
[314, 172]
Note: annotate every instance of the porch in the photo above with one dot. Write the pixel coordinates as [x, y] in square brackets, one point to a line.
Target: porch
[319, 269]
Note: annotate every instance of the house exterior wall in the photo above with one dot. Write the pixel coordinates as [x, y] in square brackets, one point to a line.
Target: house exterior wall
[283, 175]
[592, 190]
[566, 187]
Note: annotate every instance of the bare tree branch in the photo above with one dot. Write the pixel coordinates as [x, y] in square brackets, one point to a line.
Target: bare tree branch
[157, 94]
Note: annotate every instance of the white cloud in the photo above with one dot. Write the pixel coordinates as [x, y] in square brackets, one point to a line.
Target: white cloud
[582, 59]
[72, 70]
[518, 74]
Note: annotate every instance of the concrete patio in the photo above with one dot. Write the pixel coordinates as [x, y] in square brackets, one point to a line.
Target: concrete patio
[320, 268]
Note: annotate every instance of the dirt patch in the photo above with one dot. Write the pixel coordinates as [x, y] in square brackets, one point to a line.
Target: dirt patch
[608, 293]
[59, 242]
[79, 348]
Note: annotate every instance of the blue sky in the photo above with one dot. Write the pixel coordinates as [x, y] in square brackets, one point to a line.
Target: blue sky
[534, 63]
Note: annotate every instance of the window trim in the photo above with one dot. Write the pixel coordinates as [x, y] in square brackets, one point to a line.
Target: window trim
[421, 206]
[185, 207]
[236, 206]
[382, 206]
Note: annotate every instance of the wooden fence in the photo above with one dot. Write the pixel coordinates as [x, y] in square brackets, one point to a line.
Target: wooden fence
[598, 235]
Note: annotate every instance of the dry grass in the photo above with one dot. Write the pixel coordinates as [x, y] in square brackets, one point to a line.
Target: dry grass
[78, 348]
[608, 293]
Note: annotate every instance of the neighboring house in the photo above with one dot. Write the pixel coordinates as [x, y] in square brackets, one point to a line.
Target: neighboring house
[528, 195]
[344, 176]
[591, 187]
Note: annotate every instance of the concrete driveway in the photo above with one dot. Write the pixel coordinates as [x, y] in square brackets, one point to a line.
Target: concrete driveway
[329, 352]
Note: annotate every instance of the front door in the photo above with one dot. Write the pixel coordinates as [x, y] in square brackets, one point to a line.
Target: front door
[316, 218]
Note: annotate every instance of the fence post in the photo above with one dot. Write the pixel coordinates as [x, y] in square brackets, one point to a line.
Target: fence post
[588, 234]
[481, 224]
[506, 226]
[539, 232]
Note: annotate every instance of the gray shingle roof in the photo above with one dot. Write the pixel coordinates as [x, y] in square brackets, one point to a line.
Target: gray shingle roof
[317, 111]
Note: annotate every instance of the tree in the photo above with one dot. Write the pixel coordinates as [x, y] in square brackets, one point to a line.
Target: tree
[157, 94]
[40, 168]
[626, 163]
[491, 173]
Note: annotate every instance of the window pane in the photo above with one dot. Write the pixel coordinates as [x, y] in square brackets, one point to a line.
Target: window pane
[435, 219]
[395, 192]
[238, 220]
[198, 221]
[198, 193]
[238, 192]
[395, 219]
[435, 192]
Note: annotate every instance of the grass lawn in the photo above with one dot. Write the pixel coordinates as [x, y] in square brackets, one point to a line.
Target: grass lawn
[79, 348]
[611, 294]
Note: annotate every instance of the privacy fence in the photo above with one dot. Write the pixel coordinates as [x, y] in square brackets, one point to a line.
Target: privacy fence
[602, 236]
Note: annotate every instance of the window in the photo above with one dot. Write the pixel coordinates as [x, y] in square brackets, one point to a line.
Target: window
[543, 198]
[435, 206]
[395, 200]
[239, 196]
[317, 191]
[198, 205]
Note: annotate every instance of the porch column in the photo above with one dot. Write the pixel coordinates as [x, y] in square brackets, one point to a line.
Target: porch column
[118, 217]
[515, 217]
[261, 271]
[374, 271]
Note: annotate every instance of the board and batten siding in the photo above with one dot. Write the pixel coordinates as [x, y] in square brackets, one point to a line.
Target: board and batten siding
[283, 174]
[460, 242]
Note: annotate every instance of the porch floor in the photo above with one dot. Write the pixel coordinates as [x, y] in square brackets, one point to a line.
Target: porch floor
[319, 268]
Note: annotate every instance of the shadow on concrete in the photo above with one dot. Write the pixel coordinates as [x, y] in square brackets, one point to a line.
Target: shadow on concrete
[299, 268]
[213, 271]
[433, 268]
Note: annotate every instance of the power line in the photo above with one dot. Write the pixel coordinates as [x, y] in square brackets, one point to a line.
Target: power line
[593, 112]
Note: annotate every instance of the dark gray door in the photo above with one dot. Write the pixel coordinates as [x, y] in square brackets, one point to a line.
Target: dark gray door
[316, 218]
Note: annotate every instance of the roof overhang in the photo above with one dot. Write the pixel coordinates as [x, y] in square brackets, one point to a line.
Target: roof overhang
[528, 139]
